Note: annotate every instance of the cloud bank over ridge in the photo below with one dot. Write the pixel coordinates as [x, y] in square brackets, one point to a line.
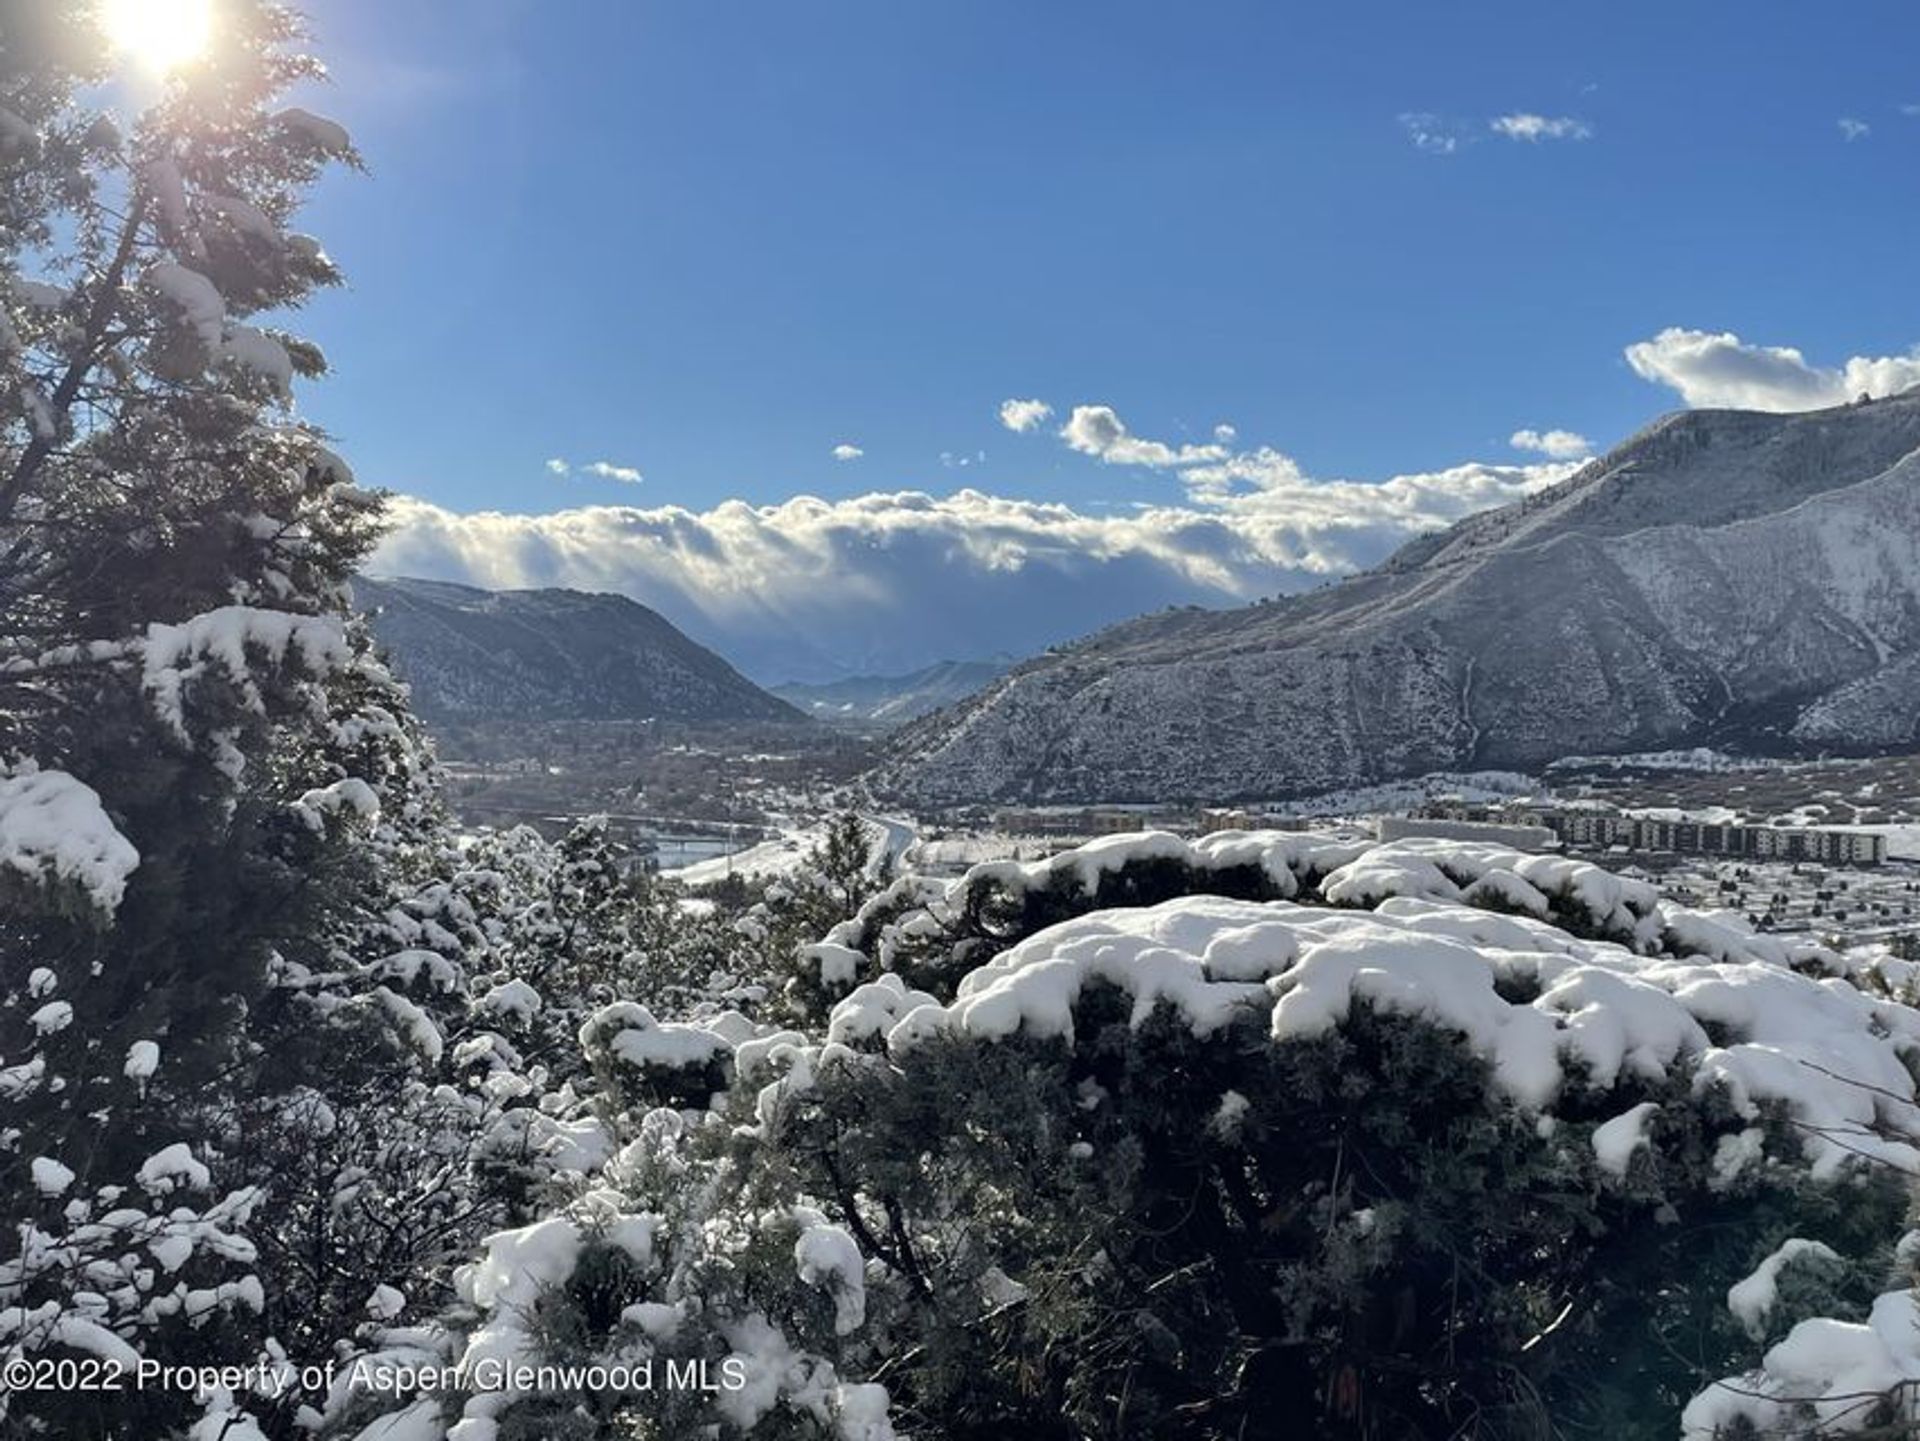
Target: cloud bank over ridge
[890, 581]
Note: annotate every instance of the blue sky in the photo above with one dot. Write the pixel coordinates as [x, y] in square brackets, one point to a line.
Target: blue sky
[710, 240]
[713, 240]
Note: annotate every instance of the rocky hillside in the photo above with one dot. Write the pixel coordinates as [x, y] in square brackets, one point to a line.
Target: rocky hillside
[1738, 579]
[479, 655]
[891, 700]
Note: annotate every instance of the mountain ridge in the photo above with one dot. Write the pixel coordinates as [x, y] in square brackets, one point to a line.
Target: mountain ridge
[479, 655]
[891, 699]
[1655, 597]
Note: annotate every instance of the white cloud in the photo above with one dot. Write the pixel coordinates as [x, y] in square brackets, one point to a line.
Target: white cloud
[894, 581]
[1095, 430]
[1434, 134]
[1021, 416]
[603, 469]
[1534, 128]
[1555, 444]
[607, 470]
[845, 451]
[1265, 480]
[1722, 370]
[889, 582]
[1852, 129]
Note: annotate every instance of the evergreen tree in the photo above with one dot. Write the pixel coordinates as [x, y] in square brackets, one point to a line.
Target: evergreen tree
[196, 742]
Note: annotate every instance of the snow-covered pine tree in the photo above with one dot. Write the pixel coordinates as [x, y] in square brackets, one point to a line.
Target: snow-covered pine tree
[191, 729]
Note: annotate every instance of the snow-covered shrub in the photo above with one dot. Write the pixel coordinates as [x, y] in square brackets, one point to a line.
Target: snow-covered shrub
[703, 1299]
[773, 929]
[1827, 1377]
[1427, 1150]
[642, 1063]
[1251, 1155]
[157, 1264]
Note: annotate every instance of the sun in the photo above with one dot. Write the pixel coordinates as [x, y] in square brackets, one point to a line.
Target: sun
[158, 34]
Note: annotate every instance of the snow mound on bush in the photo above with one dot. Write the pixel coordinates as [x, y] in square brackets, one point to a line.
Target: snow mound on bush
[1537, 1003]
[1826, 1378]
[1285, 856]
[54, 827]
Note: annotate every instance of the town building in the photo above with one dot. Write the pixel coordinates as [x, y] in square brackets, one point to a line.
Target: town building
[1590, 826]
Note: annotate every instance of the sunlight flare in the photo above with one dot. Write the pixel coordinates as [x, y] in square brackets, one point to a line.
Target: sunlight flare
[157, 34]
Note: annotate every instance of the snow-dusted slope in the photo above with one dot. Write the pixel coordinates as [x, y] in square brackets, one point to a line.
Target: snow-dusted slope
[475, 655]
[1722, 576]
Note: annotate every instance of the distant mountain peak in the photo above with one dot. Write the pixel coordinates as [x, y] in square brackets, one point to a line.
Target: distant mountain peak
[551, 654]
[1722, 576]
[889, 700]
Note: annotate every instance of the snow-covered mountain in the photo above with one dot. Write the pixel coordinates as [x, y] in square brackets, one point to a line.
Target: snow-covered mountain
[891, 700]
[1742, 579]
[480, 655]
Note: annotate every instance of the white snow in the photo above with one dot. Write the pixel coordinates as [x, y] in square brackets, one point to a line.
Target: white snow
[242, 215]
[199, 302]
[54, 827]
[408, 967]
[836, 965]
[1615, 1141]
[328, 136]
[169, 191]
[1834, 1055]
[657, 1319]
[259, 352]
[827, 1256]
[519, 1263]
[143, 1059]
[506, 1282]
[1700, 758]
[223, 638]
[860, 1413]
[93, 1338]
[166, 1170]
[513, 998]
[172, 1252]
[629, 1033]
[349, 796]
[385, 1303]
[1229, 1116]
[776, 1373]
[872, 1010]
[50, 1178]
[1284, 856]
[413, 1023]
[1751, 1300]
[1817, 1376]
[41, 420]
